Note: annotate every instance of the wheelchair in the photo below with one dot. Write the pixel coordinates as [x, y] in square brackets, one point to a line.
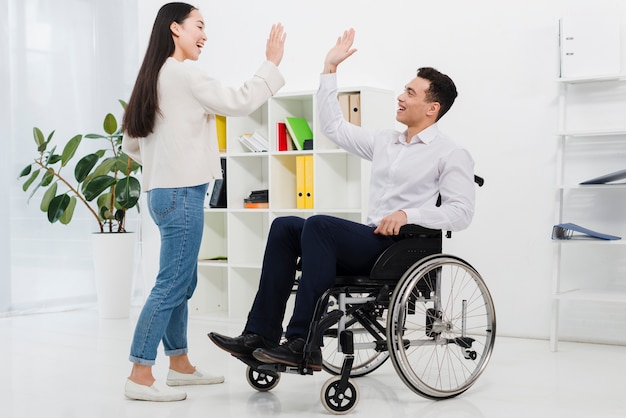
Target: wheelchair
[431, 313]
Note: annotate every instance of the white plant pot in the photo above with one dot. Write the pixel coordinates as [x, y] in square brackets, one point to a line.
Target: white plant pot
[114, 265]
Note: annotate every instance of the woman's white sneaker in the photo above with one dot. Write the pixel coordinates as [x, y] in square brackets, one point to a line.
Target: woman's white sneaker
[158, 392]
[198, 377]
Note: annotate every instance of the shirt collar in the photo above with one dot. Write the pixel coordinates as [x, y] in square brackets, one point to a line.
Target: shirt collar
[426, 136]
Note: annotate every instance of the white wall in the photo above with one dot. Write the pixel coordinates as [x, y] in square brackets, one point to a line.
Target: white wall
[503, 57]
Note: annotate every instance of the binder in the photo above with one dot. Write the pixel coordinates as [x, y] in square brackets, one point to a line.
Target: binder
[300, 187]
[566, 231]
[281, 136]
[344, 102]
[589, 45]
[218, 194]
[308, 182]
[607, 178]
[220, 124]
[355, 109]
[299, 130]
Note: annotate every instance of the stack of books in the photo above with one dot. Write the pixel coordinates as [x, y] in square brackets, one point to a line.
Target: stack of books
[258, 199]
[255, 142]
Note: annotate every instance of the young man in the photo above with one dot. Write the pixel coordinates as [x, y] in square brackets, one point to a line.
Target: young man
[410, 170]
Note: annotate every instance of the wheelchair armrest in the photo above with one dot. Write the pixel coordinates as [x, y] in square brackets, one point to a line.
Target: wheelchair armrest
[417, 231]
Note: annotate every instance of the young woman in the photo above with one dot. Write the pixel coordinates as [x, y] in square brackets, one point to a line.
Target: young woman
[169, 127]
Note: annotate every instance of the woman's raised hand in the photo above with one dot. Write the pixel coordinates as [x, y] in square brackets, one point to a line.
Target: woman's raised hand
[275, 44]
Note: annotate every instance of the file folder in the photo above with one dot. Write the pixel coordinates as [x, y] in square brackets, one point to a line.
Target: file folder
[300, 202]
[607, 178]
[355, 109]
[308, 182]
[281, 136]
[344, 102]
[220, 124]
[590, 45]
[566, 231]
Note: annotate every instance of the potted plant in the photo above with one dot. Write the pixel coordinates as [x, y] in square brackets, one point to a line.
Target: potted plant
[102, 181]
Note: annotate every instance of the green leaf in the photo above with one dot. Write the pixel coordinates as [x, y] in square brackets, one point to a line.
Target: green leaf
[84, 166]
[104, 167]
[30, 180]
[104, 203]
[47, 178]
[26, 171]
[54, 158]
[94, 136]
[97, 186]
[69, 212]
[110, 124]
[57, 207]
[123, 103]
[70, 149]
[47, 197]
[127, 192]
[38, 135]
[119, 215]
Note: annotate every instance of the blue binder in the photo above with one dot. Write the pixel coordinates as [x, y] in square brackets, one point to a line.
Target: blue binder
[566, 231]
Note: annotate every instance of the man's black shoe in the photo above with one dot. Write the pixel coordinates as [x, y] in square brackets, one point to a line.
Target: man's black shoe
[241, 346]
[291, 354]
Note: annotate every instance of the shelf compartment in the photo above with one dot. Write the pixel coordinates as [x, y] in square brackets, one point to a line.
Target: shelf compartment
[293, 105]
[248, 232]
[338, 179]
[242, 286]
[235, 127]
[214, 237]
[210, 296]
[245, 173]
[283, 186]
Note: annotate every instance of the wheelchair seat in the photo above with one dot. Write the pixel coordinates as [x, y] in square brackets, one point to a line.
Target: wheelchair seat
[413, 243]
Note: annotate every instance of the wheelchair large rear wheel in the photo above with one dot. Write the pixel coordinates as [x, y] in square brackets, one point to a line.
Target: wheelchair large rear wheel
[368, 355]
[441, 326]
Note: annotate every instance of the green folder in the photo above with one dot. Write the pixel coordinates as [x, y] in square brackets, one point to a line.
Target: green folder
[299, 130]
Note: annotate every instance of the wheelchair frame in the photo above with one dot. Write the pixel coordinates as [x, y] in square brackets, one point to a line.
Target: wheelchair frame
[431, 313]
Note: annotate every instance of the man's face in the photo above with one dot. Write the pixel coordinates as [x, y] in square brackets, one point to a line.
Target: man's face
[412, 106]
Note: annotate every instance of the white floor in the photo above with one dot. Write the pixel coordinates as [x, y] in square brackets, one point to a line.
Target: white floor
[71, 364]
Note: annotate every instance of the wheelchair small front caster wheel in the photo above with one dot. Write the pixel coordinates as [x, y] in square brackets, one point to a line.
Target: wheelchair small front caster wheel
[338, 401]
[262, 381]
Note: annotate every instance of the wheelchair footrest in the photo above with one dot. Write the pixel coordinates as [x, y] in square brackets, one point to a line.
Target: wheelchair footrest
[463, 342]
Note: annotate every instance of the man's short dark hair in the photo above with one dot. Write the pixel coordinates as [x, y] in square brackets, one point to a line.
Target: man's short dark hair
[442, 89]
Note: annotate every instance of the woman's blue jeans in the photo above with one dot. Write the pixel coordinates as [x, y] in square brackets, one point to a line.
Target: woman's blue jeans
[179, 214]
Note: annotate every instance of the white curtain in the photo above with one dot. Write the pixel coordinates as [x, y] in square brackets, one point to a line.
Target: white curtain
[67, 62]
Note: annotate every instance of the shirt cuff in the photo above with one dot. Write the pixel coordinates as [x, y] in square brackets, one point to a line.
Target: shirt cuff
[269, 72]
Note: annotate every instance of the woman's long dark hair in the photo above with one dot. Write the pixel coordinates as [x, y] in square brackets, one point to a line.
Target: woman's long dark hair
[143, 105]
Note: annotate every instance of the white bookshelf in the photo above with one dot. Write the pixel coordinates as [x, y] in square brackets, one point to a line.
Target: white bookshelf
[589, 145]
[226, 288]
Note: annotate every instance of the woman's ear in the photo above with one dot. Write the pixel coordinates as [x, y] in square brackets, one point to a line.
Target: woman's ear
[175, 29]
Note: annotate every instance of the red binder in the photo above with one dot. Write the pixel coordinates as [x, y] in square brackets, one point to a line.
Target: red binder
[281, 136]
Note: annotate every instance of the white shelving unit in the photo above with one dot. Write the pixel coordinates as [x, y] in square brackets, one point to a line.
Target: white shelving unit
[226, 288]
[590, 144]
